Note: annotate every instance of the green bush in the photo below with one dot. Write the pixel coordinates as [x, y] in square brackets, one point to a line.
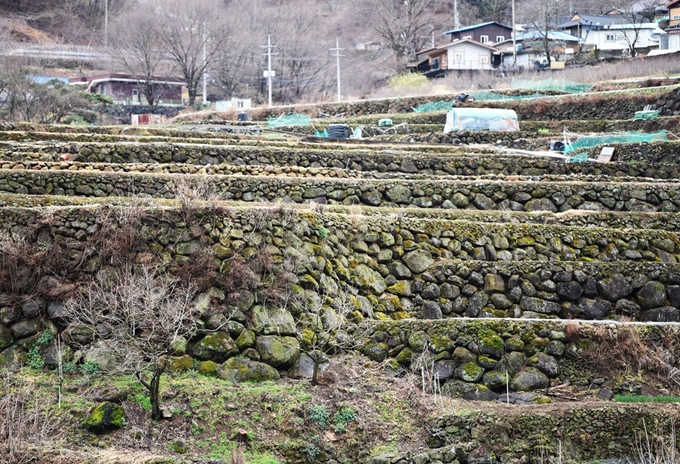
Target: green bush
[319, 415]
[90, 368]
[343, 417]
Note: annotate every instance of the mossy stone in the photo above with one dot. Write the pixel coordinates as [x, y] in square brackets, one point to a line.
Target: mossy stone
[217, 347]
[272, 321]
[417, 341]
[104, 417]
[208, 367]
[469, 372]
[496, 380]
[6, 337]
[529, 379]
[490, 343]
[401, 288]
[246, 370]
[278, 351]
[180, 363]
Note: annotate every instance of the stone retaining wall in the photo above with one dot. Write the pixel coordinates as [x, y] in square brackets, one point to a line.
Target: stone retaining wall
[399, 268]
[482, 195]
[604, 106]
[480, 166]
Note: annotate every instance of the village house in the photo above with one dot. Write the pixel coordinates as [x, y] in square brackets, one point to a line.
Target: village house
[126, 89]
[485, 33]
[460, 55]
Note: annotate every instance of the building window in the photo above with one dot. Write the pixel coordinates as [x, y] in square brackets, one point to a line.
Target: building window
[500, 38]
[467, 37]
[484, 59]
[458, 56]
[484, 39]
[610, 38]
[435, 63]
[676, 17]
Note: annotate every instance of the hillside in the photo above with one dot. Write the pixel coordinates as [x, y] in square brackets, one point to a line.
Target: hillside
[227, 293]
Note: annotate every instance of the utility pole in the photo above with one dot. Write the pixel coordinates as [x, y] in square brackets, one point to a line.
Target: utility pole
[106, 23]
[269, 71]
[456, 21]
[205, 74]
[337, 56]
[514, 40]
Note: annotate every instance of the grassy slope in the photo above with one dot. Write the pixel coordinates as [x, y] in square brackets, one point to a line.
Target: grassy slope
[212, 417]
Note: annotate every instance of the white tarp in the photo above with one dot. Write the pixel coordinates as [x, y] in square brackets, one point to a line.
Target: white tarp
[481, 119]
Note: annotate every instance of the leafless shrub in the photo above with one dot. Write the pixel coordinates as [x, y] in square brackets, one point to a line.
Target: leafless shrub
[193, 194]
[326, 326]
[139, 313]
[24, 423]
[660, 448]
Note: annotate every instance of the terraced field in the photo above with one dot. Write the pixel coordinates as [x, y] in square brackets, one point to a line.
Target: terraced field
[537, 286]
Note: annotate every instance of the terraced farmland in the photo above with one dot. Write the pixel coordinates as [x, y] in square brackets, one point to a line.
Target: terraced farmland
[487, 273]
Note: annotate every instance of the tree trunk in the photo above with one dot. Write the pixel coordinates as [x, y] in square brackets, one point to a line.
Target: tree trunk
[315, 373]
[154, 393]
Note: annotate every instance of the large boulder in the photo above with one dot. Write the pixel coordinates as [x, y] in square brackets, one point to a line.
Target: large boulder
[469, 372]
[246, 370]
[277, 351]
[216, 346]
[614, 288]
[272, 321]
[546, 364]
[594, 309]
[303, 368]
[529, 379]
[370, 279]
[537, 305]
[468, 391]
[651, 295]
[418, 260]
[664, 314]
[105, 416]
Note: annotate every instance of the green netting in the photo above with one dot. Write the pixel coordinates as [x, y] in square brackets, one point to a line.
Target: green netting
[289, 120]
[646, 115]
[555, 85]
[604, 140]
[433, 106]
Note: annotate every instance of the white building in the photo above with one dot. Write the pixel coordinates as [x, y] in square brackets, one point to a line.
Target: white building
[622, 36]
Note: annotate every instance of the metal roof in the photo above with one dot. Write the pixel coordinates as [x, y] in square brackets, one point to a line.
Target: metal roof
[476, 26]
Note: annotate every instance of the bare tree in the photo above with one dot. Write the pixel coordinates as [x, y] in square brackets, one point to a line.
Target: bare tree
[139, 313]
[542, 16]
[137, 47]
[325, 326]
[404, 24]
[193, 35]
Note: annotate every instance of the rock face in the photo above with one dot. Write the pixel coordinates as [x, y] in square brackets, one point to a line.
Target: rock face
[105, 417]
[246, 370]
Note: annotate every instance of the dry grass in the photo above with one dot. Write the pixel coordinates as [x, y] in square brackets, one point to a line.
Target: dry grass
[625, 348]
